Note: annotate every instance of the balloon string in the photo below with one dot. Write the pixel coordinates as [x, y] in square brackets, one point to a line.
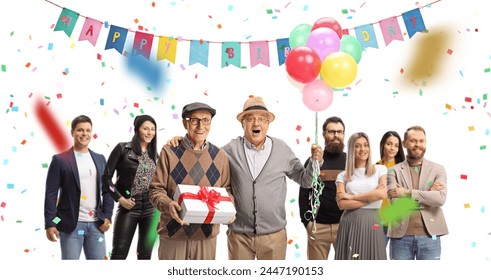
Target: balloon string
[316, 128]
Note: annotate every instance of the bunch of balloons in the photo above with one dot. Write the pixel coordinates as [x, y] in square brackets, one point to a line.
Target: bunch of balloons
[322, 49]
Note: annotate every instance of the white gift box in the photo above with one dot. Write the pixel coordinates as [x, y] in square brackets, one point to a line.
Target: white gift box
[204, 205]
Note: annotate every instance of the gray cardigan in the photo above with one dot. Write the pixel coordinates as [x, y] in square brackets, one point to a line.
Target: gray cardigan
[260, 203]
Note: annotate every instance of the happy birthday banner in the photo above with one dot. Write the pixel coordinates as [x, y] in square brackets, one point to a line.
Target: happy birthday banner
[231, 52]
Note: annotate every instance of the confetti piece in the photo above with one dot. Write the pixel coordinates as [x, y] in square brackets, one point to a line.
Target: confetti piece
[26, 250]
[56, 220]
[467, 205]
[128, 192]
[487, 70]
[100, 239]
[449, 51]
[50, 46]
[483, 209]
[290, 241]
[299, 127]
[448, 106]
[399, 209]
[308, 139]
[269, 11]
[81, 232]
[3, 204]
[468, 99]
[305, 7]
[230, 7]
[473, 244]
[4, 68]
[292, 200]
[401, 71]
[298, 141]
[471, 128]
[83, 197]
[463, 177]
[59, 95]
[153, 4]
[23, 142]
[483, 147]
[375, 226]
[296, 246]
[101, 102]
[95, 136]
[219, 26]
[10, 186]
[28, 65]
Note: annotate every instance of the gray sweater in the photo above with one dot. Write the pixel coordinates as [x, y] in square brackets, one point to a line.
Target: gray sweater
[260, 203]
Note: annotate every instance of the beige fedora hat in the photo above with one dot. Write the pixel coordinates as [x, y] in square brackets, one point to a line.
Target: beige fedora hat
[255, 105]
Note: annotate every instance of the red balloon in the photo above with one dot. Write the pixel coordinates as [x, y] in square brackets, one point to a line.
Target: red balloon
[329, 23]
[303, 64]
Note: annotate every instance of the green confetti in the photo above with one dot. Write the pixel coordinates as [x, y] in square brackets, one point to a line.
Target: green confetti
[296, 246]
[395, 92]
[4, 68]
[144, 166]
[128, 192]
[45, 165]
[429, 183]
[269, 11]
[485, 96]
[416, 169]
[420, 92]
[142, 111]
[344, 11]
[56, 220]
[399, 209]
[483, 147]
[487, 70]
[132, 115]
[103, 64]
[292, 200]
[173, 107]
[149, 88]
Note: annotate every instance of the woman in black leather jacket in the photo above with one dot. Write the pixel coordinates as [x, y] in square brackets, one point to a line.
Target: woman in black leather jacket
[134, 163]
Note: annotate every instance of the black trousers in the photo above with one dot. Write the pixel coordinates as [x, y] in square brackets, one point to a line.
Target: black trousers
[142, 216]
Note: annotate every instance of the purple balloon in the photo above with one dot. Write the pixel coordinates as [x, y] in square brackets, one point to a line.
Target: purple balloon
[324, 41]
[317, 96]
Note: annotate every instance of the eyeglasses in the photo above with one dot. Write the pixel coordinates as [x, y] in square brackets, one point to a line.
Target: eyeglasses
[333, 132]
[195, 121]
[261, 120]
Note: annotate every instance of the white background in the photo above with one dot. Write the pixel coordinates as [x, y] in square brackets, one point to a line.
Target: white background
[380, 99]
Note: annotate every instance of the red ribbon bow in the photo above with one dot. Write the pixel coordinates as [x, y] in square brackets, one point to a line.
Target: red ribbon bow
[210, 197]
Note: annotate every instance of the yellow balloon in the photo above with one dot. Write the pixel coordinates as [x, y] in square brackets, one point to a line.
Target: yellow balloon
[338, 70]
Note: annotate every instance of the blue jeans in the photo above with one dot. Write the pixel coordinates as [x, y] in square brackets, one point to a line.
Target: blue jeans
[411, 247]
[87, 236]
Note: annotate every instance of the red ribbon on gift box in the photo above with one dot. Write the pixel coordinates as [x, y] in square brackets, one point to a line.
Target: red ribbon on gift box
[210, 197]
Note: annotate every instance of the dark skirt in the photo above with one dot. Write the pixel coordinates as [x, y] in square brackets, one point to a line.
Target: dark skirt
[360, 236]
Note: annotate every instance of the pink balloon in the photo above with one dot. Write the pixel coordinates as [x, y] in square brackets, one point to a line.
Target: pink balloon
[324, 41]
[317, 96]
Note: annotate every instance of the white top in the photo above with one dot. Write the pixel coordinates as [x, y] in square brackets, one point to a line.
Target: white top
[360, 183]
[87, 173]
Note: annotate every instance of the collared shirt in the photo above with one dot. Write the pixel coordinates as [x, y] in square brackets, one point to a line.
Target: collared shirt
[190, 144]
[256, 159]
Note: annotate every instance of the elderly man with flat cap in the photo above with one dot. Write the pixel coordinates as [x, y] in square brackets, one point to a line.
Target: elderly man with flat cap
[194, 161]
[259, 166]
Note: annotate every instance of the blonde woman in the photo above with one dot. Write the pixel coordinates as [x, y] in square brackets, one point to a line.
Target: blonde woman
[361, 188]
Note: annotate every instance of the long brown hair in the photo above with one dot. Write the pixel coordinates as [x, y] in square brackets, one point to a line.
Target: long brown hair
[350, 158]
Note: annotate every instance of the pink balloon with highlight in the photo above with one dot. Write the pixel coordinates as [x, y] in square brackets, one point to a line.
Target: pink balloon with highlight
[317, 96]
[324, 41]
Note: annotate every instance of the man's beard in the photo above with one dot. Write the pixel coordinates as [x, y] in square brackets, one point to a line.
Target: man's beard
[334, 148]
[411, 155]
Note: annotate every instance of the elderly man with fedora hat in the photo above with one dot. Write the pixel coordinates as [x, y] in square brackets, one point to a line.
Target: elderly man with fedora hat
[194, 161]
[259, 166]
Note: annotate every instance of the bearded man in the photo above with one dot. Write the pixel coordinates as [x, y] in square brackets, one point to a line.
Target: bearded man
[322, 229]
[417, 236]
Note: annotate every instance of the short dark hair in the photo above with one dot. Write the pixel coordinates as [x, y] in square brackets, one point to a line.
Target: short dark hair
[80, 119]
[415, 127]
[333, 119]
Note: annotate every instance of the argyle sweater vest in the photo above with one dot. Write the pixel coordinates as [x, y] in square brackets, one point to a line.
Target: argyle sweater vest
[182, 165]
